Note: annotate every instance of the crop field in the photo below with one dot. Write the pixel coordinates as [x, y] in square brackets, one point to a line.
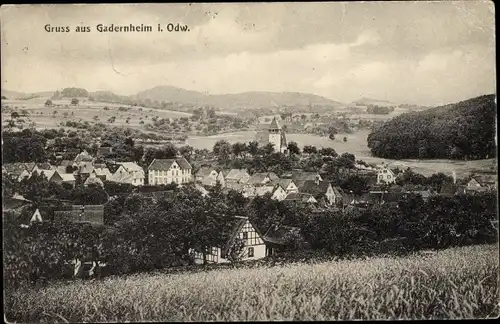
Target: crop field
[456, 283]
[50, 117]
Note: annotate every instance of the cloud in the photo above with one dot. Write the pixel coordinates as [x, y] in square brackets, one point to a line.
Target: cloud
[408, 52]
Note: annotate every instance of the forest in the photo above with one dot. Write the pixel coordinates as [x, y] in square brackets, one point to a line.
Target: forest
[465, 131]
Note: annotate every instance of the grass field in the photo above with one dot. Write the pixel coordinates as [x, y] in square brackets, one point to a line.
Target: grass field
[456, 283]
[357, 145]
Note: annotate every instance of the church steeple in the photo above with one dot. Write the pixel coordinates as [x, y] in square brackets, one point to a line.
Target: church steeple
[275, 125]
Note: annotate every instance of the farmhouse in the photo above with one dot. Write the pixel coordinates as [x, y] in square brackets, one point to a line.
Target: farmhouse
[322, 191]
[254, 246]
[240, 176]
[385, 175]
[480, 183]
[166, 171]
[128, 172]
[83, 156]
[209, 176]
[287, 184]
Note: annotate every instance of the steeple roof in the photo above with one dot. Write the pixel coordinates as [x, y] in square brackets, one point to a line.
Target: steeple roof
[274, 124]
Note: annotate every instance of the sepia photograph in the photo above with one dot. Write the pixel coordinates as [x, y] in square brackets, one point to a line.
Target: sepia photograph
[236, 162]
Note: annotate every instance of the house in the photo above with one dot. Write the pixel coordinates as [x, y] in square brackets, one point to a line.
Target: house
[93, 179]
[46, 173]
[85, 169]
[36, 217]
[258, 179]
[236, 176]
[482, 183]
[280, 238]
[286, 184]
[204, 172]
[102, 172]
[322, 190]
[208, 176]
[68, 178]
[362, 201]
[242, 228]
[166, 171]
[83, 156]
[299, 175]
[300, 197]
[279, 193]
[90, 214]
[17, 170]
[385, 175]
[127, 172]
[56, 177]
[450, 189]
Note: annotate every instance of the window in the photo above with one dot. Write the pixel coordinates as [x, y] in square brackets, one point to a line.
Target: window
[250, 252]
[388, 176]
[245, 235]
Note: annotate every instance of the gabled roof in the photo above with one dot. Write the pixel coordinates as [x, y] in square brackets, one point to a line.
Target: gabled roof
[121, 177]
[486, 179]
[85, 167]
[47, 173]
[310, 187]
[204, 171]
[236, 224]
[103, 172]
[131, 166]
[83, 156]
[262, 190]
[235, 174]
[257, 178]
[300, 175]
[67, 177]
[284, 183]
[93, 180]
[165, 164]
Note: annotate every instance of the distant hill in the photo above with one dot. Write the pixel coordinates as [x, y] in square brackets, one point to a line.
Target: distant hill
[238, 101]
[464, 130]
[15, 95]
[175, 97]
[370, 101]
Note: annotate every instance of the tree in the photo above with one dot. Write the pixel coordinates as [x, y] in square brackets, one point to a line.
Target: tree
[239, 148]
[95, 118]
[253, 148]
[48, 103]
[293, 148]
[331, 136]
[356, 184]
[222, 149]
[235, 252]
[328, 151]
[74, 101]
[309, 149]
[14, 115]
[268, 149]
[186, 151]
[345, 139]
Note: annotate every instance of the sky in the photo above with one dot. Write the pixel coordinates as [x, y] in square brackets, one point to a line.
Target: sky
[426, 53]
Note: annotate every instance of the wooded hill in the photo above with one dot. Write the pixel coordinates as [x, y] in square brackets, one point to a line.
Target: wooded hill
[464, 130]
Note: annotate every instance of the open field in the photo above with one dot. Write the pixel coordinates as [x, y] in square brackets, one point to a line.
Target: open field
[44, 117]
[357, 145]
[454, 283]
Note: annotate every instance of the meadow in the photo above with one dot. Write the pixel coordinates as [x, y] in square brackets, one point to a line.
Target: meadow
[357, 145]
[457, 283]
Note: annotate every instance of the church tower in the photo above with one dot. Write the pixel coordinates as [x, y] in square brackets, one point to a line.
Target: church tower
[277, 136]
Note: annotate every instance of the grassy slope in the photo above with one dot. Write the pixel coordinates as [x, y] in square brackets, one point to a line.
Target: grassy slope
[86, 111]
[455, 283]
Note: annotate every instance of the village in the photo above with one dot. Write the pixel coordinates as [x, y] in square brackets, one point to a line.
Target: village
[384, 186]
